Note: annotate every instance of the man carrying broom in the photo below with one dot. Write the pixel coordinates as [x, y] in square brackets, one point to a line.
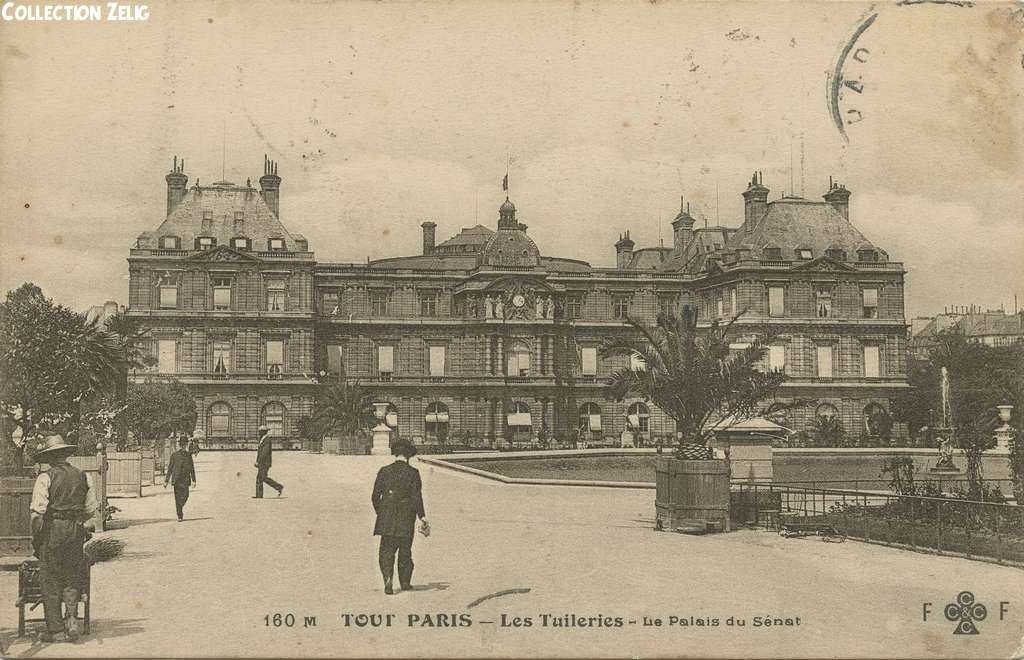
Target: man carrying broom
[63, 505]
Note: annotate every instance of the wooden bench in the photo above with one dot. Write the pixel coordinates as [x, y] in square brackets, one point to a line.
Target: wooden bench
[30, 594]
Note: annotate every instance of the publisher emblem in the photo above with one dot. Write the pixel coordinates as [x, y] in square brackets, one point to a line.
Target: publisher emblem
[965, 612]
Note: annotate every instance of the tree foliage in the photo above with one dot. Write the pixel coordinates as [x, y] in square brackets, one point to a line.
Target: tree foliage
[691, 373]
[51, 359]
[157, 408]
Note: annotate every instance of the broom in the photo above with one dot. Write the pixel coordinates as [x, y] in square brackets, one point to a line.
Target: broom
[103, 549]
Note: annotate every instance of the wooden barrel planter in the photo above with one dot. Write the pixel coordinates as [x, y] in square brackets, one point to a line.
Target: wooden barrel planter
[689, 491]
[15, 518]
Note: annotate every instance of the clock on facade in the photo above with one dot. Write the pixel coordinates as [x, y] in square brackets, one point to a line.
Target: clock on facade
[518, 300]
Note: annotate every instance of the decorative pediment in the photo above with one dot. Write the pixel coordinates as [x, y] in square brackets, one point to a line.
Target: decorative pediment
[826, 265]
[222, 254]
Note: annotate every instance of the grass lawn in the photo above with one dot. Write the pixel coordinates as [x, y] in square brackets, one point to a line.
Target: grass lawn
[600, 468]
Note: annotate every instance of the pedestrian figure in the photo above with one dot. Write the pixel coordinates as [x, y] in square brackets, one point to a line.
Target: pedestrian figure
[181, 471]
[398, 500]
[193, 446]
[264, 458]
[62, 507]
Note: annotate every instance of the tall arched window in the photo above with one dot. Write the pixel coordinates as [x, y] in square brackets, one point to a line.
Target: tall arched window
[519, 359]
[520, 422]
[272, 417]
[639, 417]
[590, 419]
[437, 422]
[219, 420]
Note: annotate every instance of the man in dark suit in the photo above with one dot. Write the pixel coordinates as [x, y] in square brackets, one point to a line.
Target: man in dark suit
[398, 500]
[181, 472]
[264, 458]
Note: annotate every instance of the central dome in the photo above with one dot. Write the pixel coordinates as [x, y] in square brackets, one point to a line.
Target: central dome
[510, 247]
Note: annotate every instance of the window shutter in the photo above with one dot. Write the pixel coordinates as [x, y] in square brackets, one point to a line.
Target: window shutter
[437, 360]
[871, 362]
[824, 361]
[275, 352]
[386, 359]
[334, 358]
[589, 361]
[871, 297]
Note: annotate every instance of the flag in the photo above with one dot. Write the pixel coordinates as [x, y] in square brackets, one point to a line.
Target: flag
[504, 183]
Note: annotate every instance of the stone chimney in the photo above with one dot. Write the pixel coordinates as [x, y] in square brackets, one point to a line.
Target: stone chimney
[429, 230]
[176, 182]
[270, 185]
[838, 197]
[682, 227]
[755, 199]
[623, 251]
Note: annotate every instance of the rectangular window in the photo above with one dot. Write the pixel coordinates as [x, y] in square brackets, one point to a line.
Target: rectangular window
[167, 356]
[169, 243]
[733, 309]
[221, 357]
[804, 254]
[222, 293]
[205, 243]
[824, 361]
[773, 253]
[720, 305]
[334, 359]
[437, 361]
[275, 244]
[620, 306]
[589, 360]
[573, 306]
[386, 359]
[240, 243]
[870, 303]
[776, 301]
[871, 363]
[823, 303]
[330, 303]
[378, 303]
[428, 303]
[777, 357]
[168, 296]
[275, 295]
[275, 356]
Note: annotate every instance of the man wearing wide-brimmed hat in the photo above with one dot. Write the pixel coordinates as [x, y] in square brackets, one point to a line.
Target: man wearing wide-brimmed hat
[62, 503]
[264, 458]
[398, 500]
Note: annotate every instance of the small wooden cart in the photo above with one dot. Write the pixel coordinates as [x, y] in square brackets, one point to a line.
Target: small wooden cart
[30, 594]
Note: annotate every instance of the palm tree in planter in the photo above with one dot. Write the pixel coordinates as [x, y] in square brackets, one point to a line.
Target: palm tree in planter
[341, 407]
[692, 375]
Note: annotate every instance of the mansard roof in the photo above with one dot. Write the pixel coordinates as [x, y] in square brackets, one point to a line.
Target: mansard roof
[219, 203]
[706, 241]
[791, 223]
[477, 235]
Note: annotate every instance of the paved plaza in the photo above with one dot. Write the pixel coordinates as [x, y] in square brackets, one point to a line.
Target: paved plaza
[204, 587]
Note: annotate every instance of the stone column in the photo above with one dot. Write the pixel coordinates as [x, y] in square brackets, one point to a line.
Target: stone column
[500, 358]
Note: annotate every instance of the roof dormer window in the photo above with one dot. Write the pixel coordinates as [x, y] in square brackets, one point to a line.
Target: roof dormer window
[205, 242]
[867, 254]
[170, 243]
[804, 254]
[773, 253]
[240, 243]
[836, 254]
[239, 222]
[275, 244]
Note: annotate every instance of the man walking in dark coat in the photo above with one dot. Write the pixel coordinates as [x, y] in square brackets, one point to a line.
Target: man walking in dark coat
[63, 505]
[398, 500]
[264, 458]
[181, 472]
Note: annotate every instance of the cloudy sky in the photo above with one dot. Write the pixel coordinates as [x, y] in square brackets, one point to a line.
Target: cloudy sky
[383, 115]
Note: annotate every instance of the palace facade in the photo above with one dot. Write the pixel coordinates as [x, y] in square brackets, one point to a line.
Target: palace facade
[484, 340]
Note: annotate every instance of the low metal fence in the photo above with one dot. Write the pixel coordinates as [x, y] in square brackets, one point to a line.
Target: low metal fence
[943, 525]
[1005, 486]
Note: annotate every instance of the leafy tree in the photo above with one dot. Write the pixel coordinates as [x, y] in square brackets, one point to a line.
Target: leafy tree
[342, 406]
[691, 374]
[157, 408]
[51, 359]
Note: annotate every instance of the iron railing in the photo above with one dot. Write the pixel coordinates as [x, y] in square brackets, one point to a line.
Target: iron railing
[987, 531]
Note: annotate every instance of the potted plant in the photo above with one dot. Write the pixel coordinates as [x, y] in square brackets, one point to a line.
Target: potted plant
[341, 413]
[692, 375]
